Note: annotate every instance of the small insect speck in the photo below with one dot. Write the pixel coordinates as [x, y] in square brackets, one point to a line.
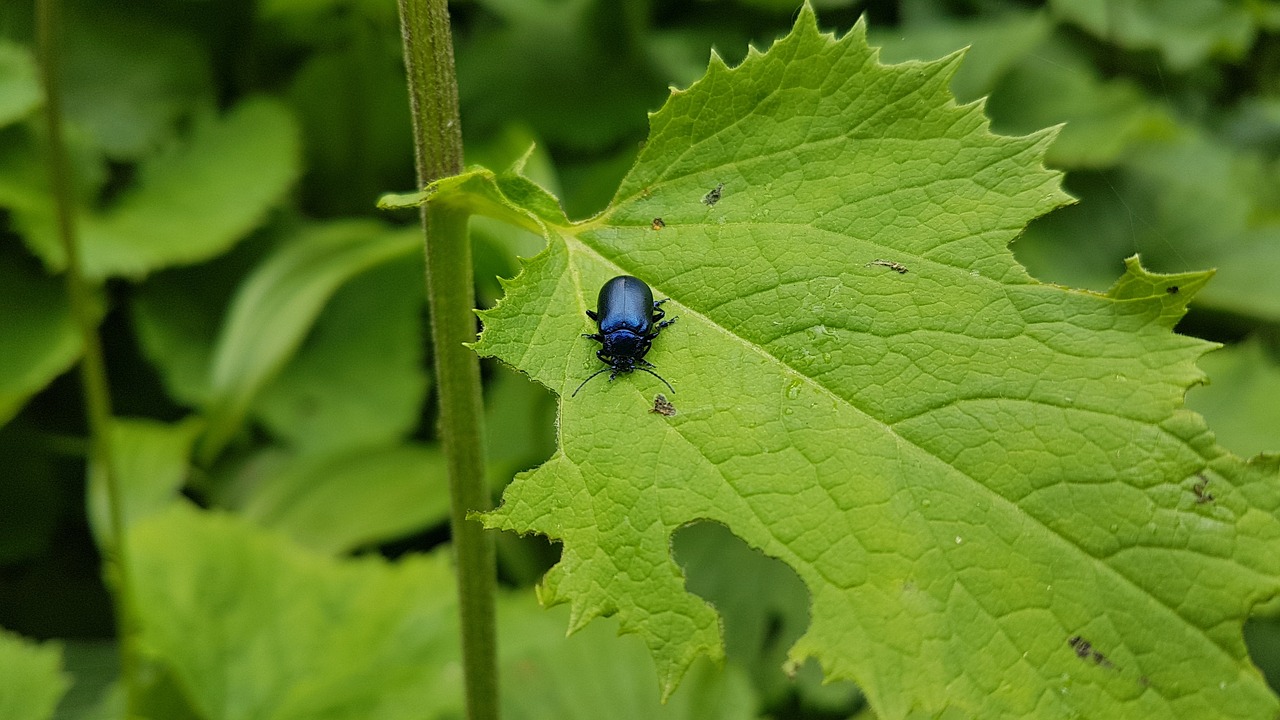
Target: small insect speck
[1172, 289]
[658, 223]
[1080, 645]
[1085, 651]
[894, 266]
[713, 197]
[1201, 489]
[663, 406]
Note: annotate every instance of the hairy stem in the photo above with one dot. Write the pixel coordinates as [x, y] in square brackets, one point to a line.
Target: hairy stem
[433, 93]
[93, 373]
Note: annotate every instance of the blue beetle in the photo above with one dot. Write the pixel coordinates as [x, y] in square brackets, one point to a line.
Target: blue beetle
[628, 320]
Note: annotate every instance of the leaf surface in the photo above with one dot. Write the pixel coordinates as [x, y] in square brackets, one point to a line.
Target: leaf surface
[40, 340]
[191, 202]
[1241, 403]
[1183, 203]
[31, 678]
[1186, 32]
[337, 503]
[152, 461]
[276, 306]
[252, 626]
[985, 482]
[358, 378]
[19, 88]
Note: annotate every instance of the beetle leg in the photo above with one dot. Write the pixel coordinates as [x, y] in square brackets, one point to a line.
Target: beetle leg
[592, 314]
[593, 336]
[664, 323]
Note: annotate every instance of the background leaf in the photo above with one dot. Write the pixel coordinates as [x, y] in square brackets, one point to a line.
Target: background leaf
[276, 306]
[31, 679]
[358, 379]
[190, 203]
[284, 634]
[40, 341]
[1185, 31]
[340, 503]
[961, 463]
[1240, 402]
[152, 461]
[19, 90]
[157, 72]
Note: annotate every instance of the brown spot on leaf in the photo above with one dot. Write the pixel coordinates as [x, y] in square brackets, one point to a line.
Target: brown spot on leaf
[1201, 489]
[713, 197]
[663, 406]
[1085, 651]
[894, 266]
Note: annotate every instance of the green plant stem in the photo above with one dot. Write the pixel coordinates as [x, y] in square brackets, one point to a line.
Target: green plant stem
[433, 94]
[93, 373]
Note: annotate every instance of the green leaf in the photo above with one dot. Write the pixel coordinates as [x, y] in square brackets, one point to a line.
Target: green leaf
[338, 503]
[1240, 402]
[1102, 118]
[996, 45]
[357, 134]
[1186, 203]
[1186, 32]
[252, 626]
[40, 340]
[129, 81]
[276, 307]
[152, 460]
[764, 608]
[190, 203]
[571, 69]
[594, 674]
[976, 475]
[177, 313]
[1035, 81]
[19, 87]
[520, 425]
[93, 666]
[358, 378]
[31, 678]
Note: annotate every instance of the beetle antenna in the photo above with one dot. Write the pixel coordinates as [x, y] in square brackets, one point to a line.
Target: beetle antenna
[602, 370]
[664, 381]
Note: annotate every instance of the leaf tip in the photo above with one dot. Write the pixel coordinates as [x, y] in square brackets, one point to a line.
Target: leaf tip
[1173, 291]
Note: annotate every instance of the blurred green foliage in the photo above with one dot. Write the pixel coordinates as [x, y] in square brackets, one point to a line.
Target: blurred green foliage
[265, 326]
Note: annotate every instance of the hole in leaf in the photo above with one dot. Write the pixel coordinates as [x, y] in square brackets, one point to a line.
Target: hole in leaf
[764, 608]
[1262, 636]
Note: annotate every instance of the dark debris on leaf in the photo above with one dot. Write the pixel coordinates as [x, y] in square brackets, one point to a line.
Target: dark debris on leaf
[1201, 489]
[663, 406]
[1085, 651]
[713, 197]
[894, 266]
